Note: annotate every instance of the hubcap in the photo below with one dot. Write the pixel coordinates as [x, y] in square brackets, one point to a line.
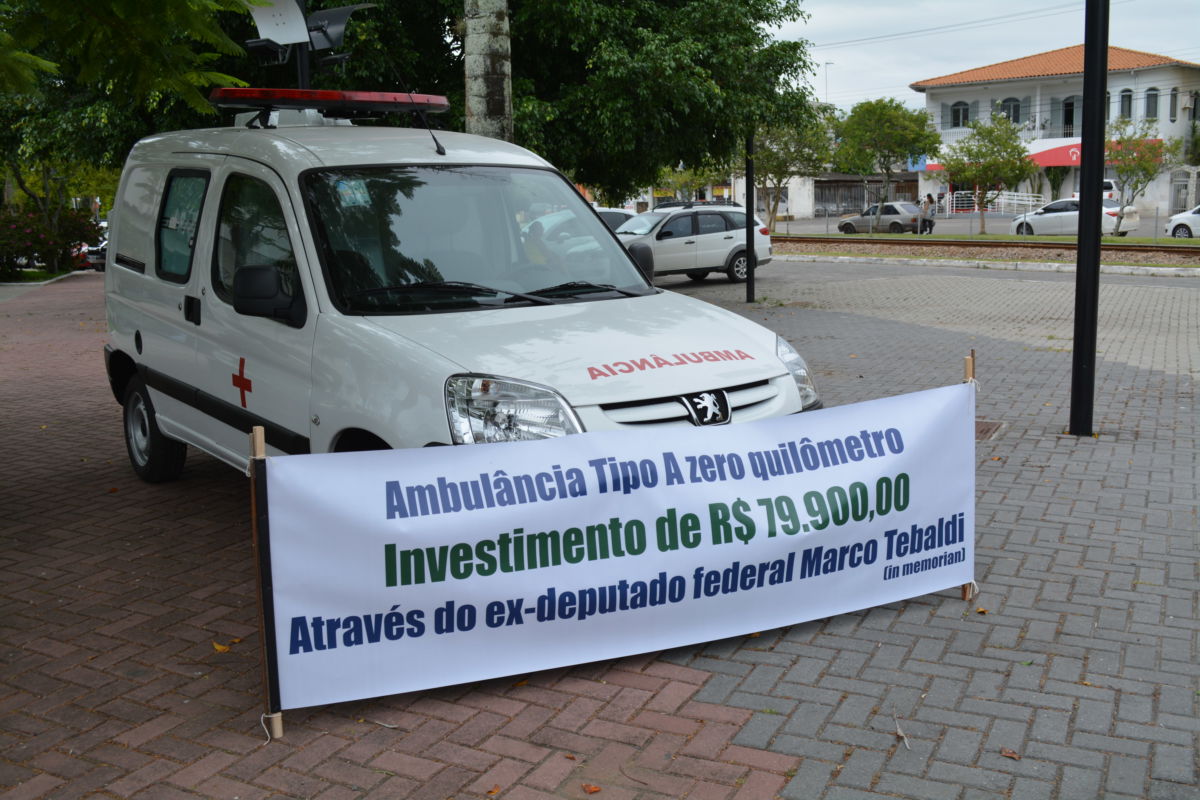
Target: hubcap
[137, 429]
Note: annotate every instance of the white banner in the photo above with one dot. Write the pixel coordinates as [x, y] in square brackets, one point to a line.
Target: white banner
[394, 571]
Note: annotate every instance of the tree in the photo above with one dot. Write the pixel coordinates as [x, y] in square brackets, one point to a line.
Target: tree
[614, 90]
[1137, 159]
[880, 137]
[488, 67]
[1056, 176]
[797, 145]
[991, 158]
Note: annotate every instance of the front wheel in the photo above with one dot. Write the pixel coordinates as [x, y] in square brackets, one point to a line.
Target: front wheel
[1123, 233]
[848, 228]
[1181, 232]
[154, 457]
[1024, 230]
[738, 266]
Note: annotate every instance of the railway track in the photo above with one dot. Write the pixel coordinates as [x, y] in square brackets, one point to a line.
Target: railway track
[1189, 250]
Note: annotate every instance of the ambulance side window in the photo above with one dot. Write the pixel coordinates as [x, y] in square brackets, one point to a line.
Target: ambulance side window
[175, 233]
[251, 232]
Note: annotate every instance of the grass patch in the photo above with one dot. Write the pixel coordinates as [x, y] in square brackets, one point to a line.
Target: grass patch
[1000, 237]
[28, 276]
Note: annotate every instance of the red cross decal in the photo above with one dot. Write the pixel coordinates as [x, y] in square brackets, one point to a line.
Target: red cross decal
[241, 381]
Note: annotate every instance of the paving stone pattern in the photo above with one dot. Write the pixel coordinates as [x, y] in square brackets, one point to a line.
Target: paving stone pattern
[1079, 655]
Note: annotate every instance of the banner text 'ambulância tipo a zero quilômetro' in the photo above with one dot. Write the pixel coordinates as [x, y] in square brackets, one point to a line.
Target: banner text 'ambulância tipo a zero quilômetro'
[394, 571]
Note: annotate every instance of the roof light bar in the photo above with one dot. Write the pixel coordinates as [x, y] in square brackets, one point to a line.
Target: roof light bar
[327, 100]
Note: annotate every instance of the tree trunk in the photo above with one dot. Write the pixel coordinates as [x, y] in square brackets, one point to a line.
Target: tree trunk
[488, 67]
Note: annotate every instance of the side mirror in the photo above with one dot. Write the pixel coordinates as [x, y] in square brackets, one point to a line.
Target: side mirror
[643, 256]
[667, 234]
[257, 292]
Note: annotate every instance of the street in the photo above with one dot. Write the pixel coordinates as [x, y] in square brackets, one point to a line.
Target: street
[129, 630]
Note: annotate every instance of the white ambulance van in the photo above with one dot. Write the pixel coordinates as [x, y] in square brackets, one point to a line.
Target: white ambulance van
[350, 287]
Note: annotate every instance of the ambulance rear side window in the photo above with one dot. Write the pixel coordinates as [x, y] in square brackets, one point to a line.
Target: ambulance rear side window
[175, 233]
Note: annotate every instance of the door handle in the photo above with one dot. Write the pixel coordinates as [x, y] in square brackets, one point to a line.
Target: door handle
[191, 309]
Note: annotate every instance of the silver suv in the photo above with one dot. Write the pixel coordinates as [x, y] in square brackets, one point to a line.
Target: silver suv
[696, 239]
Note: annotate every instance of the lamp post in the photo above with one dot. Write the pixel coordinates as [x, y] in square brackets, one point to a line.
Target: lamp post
[827, 63]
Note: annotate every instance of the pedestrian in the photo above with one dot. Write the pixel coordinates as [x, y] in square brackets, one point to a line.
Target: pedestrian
[928, 211]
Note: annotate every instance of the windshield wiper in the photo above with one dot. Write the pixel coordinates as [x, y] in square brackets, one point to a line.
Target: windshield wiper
[583, 287]
[454, 286]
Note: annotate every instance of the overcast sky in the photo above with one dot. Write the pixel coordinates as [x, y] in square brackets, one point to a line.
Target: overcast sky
[878, 47]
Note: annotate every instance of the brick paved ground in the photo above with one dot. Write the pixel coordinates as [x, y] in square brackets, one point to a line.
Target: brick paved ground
[1085, 664]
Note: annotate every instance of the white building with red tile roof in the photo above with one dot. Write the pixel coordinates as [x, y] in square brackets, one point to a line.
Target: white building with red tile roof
[1043, 94]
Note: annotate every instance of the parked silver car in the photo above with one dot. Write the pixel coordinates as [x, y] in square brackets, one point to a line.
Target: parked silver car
[697, 239]
[898, 217]
[1062, 217]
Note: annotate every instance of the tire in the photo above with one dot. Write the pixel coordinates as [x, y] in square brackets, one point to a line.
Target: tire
[1123, 233]
[154, 457]
[1181, 232]
[1024, 229]
[896, 227]
[698, 274]
[738, 267]
[848, 228]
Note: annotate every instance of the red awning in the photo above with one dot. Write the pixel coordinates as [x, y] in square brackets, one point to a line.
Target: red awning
[1066, 155]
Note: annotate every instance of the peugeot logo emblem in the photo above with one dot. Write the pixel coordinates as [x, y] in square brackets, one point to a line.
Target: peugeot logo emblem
[707, 408]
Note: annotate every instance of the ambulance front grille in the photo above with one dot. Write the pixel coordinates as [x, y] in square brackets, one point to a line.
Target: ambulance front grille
[659, 410]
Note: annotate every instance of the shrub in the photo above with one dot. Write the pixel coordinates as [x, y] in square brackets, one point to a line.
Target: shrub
[28, 239]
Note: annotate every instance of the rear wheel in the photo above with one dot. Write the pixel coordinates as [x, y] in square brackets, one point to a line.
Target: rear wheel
[1182, 232]
[698, 274]
[895, 227]
[738, 265]
[154, 457]
[1123, 233]
[1024, 230]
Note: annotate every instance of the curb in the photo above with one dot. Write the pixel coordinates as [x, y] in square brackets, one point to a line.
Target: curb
[45, 282]
[1024, 266]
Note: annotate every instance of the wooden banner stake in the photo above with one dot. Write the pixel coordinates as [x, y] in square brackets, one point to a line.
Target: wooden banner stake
[968, 376]
[272, 716]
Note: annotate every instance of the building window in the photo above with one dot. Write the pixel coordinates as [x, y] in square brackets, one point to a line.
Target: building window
[1127, 103]
[960, 114]
[1173, 106]
[1152, 103]
[1010, 107]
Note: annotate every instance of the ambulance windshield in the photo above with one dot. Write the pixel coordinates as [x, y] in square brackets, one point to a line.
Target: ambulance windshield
[429, 238]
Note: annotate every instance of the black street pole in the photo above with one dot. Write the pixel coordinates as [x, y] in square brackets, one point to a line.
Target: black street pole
[1087, 259]
[751, 257]
[303, 80]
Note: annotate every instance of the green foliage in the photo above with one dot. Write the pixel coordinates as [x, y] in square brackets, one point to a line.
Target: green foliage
[28, 238]
[1056, 176]
[1136, 158]
[990, 158]
[623, 89]
[880, 137]
[796, 144]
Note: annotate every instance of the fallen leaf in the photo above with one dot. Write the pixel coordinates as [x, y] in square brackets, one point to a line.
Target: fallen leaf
[981, 610]
[1086, 683]
[220, 648]
[494, 790]
[521, 683]
[569, 756]
[995, 458]
[589, 788]
[1013, 754]
[753, 635]
[238, 640]
[113, 490]
[853, 355]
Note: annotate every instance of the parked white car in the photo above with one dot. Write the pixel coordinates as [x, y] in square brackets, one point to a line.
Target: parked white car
[1108, 190]
[1184, 225]
[696, 239]
[364, 288]
[1062, 218]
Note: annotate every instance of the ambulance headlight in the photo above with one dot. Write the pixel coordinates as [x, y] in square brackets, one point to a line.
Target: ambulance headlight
[486, 409]
[800, 372]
